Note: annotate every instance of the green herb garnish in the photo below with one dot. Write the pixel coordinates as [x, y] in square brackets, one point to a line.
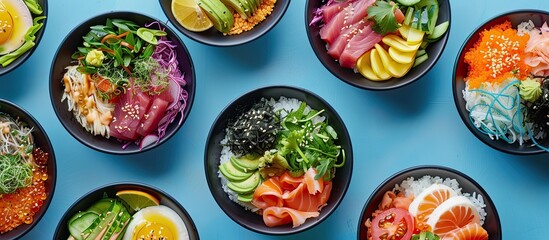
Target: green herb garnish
[383, 15]
[425, 236]
[307, 143]
[14, 173]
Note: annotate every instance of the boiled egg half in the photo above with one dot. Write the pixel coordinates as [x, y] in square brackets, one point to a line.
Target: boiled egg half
[15, 21]
[156, 222]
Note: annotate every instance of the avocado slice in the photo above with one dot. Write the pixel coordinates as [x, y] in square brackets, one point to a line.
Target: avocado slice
[222, 18]
[237, 6]
[246, 186]
[245, 197]
[248, 7]
[232, 173]
[249, 163]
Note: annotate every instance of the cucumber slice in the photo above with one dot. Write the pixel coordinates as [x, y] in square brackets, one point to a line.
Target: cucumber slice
[80, 222]
[106, 219]
[408, 2]
[420, 53]
[421, 59]
[439, 31]
[433, 17]
[101, 206]
[416, 19]
[409, 16]
[424, 23]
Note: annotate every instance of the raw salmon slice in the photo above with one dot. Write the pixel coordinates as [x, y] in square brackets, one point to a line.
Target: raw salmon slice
[276, 216]
[452, 214]
[471, 231]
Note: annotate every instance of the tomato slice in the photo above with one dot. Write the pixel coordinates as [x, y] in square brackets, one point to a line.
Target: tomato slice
[393, 224]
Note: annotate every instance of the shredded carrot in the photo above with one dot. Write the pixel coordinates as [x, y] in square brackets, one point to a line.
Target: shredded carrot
[497, 56]
[242, 25]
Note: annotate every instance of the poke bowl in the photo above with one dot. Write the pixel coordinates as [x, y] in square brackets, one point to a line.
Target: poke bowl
[124, 87]
[26, 195]
[224, 22]
[140, 209]
[358, 45]
[419, 200]
[503, 105]
[260, 189]
[25, 17]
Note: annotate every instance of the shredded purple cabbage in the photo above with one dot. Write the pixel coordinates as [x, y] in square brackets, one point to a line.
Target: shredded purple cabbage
[318, 14]
[164, 53]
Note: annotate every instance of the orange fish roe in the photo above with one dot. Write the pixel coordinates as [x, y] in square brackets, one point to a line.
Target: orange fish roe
[497, 56]
[242, 25]
[21, 206]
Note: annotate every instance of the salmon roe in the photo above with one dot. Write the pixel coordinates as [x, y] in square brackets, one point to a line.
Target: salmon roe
[497, 56]
[21, 206]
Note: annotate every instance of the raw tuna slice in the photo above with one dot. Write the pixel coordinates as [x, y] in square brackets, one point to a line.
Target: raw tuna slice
[128, 114]
[359, 44]
[337, 47]
[153, 116]
[344, 19]
[329, 11]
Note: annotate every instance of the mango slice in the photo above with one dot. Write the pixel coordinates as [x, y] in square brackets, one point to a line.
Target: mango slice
[399, 43]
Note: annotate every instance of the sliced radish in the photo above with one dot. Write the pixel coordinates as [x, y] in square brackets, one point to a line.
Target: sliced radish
[148, 140]
[175, 91]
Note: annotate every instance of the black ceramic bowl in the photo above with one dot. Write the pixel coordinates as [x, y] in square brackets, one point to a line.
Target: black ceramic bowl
[434, 50]
[62, 59]
[467, 184]
[215, 38]
[21, 59]
[254, 221]
[62, 231]
[538, 17]
[40, 140]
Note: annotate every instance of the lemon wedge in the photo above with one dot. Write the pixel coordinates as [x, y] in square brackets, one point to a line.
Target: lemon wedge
[190, 15]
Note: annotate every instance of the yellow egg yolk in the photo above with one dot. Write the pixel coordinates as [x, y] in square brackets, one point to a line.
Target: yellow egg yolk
[6, 25]
[156, 227]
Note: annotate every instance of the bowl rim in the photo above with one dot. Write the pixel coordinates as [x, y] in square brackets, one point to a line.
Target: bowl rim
[23, 58]
[399, 84]
[130, 184]
[51, 175]
[223, 43]
[456, 93]
[190, 100]
[405, 171]
[349, 161]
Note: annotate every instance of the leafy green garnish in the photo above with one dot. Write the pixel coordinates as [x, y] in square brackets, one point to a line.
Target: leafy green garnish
[425, 236]
[383, 15]
[307, 143]
[33, 6]
[127, 54]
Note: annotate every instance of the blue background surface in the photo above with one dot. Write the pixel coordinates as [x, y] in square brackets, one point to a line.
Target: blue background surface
[390, 130]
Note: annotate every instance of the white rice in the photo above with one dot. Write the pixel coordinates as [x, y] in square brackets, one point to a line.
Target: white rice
[413, 187]
[284, 105]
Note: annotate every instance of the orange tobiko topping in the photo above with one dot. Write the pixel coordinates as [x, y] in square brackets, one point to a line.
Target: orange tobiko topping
[497, 56]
